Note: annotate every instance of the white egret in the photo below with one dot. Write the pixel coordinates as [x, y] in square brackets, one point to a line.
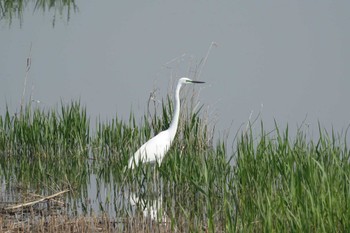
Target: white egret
[155, 149]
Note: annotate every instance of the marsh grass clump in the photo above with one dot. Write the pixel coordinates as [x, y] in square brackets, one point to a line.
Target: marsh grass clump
[35, 132]
[43, 149]
[115, 140]
[271, 182]
[194, 185]
[292, 185]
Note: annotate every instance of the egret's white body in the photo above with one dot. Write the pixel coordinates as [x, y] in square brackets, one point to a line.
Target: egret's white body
[155, 149]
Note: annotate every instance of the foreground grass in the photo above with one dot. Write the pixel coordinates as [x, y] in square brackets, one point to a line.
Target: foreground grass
[294, 185]
[271, 182]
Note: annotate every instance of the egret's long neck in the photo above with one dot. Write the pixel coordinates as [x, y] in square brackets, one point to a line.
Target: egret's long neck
[175, 121]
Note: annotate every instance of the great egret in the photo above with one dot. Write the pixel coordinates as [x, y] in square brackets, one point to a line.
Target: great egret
[155, 149]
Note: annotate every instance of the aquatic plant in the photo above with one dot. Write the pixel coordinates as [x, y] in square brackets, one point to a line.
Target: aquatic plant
[270, 182]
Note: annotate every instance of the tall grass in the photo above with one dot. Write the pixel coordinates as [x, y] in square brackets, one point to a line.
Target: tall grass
[15, 8]
[35, 132]
[45, 150]
[292, 185]
[272, 182]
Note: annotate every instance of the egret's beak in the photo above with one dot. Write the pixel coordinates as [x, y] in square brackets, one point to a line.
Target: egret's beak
[197, 81]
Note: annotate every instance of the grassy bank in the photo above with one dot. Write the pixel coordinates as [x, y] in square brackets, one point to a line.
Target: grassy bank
[272, 182]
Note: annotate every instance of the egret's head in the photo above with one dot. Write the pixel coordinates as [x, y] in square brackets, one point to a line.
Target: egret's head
[185, 80]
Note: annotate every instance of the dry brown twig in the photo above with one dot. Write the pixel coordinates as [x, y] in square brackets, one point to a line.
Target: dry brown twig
[29, 63]
[31, 203]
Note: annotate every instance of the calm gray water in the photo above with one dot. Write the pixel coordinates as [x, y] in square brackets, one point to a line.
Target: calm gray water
[291, 57]
[283, 60]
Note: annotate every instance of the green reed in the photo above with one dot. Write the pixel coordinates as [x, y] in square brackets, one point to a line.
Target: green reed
[35, 132]
[272, 182]
[292, 185]
[45, 149]
[15, 8]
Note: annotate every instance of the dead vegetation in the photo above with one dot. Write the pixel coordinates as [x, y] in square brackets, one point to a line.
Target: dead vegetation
[49, 214]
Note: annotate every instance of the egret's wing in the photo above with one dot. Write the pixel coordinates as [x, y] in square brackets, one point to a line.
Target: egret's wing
[153, 150]
[156, 147]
